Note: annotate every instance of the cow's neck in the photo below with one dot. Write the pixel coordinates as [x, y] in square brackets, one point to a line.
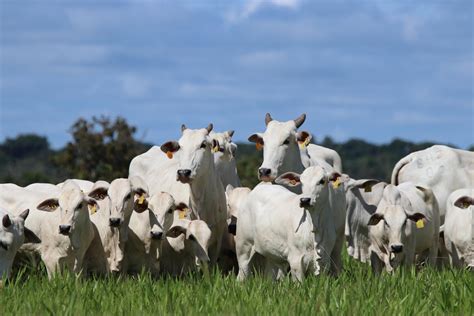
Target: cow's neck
[292, 161]
[203, 190]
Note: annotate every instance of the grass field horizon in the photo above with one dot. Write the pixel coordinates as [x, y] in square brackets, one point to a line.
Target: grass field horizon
[356, 291]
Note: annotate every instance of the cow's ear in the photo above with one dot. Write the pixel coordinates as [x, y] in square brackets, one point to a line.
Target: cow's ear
[258, 140]
[375, 219]
[169, 148]
[303, 138]
[228, 189]
[6, 221]
[416, 217]
[214, 145]
[25, 214]
[175, 231]
[92, 205]
[365, 184]
[31, 237]
[464, 202]
[290, 179]
[230, 133]
[49, 205]
[98, 193]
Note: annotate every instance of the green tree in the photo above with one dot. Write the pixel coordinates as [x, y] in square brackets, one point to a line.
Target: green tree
[101, 149]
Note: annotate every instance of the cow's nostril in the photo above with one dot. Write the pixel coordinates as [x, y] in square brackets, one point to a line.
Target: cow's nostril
[184, 173]
[64, 229]
[156, 235]
[263, 172]
[305, 202]
[396, 248]
[114, 222]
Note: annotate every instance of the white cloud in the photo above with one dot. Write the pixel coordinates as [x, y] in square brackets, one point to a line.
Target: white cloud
[134, 86]
[251, 7]
[262, 58]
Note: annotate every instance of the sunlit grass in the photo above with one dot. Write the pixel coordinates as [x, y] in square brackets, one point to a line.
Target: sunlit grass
[356, 291]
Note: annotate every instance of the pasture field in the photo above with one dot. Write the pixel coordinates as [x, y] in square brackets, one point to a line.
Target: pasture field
[355, 292]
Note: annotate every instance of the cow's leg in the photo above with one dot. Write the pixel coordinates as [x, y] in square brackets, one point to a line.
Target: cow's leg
[433, 253]
[244, 257]
[336, 257]
[297, 268]
[376, 263]
[51, 263]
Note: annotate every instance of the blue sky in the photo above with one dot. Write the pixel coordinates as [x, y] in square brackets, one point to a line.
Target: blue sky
[371, 69]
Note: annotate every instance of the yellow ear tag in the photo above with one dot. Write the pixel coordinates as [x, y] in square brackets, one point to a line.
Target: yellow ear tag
[420, 223]
[169, 154]
[93, 209]
[293, 182]
[367, 188]
[336, 183]
[182, 213]
[141, 199]
[304, 143]
[258, 146]
[466, 205]
[215, 149]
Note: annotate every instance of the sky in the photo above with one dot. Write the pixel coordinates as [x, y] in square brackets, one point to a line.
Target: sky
[369, 69]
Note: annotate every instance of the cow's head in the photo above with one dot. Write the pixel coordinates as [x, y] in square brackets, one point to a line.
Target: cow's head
[224, 148]
[195, 154]
[315, 185]
[198, 234]
[163, 208]
[72, 204]
[123, 195]
[280, 146]
[13, 234]
[393, 222]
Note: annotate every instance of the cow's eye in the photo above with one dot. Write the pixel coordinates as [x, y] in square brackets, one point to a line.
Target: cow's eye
[170, 210]
[287, 141]
[80, 205]
[322, 182]
[128, 196]
[386, 224]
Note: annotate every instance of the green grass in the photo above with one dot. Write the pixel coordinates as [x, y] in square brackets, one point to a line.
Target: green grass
[356, 291]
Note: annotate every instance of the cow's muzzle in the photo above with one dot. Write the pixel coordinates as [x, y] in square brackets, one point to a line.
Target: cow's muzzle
[114, 222]
[305, 202]
[184, 175]
[64, 229]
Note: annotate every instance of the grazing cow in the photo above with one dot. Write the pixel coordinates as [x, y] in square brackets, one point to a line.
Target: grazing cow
[304, 231]
[459, 228]
[440, 168]
[362, 198]
[224, 157]
[405, 225]
[186, 170]
[60, 219]
[13, 234]
[281, 145]
[111, 221]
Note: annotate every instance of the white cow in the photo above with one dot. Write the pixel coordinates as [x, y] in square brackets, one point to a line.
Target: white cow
[224, 158]
[281, 144]
[235, 198]
[111, 221]
[459, 228]
[190, 176]
[441, 168]
[395, 238]
[13, 234]
[60, 219]
[362, 198]
[303, 231]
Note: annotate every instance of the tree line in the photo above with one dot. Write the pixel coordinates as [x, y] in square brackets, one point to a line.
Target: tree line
[102, 148]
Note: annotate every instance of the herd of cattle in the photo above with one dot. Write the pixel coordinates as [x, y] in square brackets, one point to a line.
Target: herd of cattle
[182, 208]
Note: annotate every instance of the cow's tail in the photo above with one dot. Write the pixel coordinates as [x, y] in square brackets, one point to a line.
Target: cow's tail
[398, 167]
